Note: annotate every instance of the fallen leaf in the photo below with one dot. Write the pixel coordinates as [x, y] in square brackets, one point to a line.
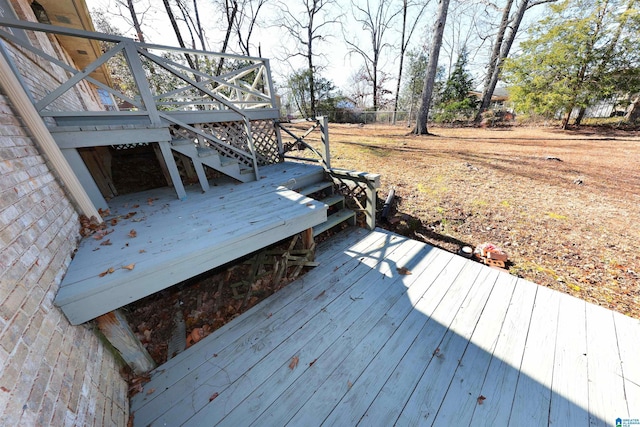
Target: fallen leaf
[109, 271]
[3, 388]
[133, 233]
[150, 201]
[141, 251]
[404, 271]
[106, 243]
[314, 361]
[114, 221]
[151, 390]
[320, 295]
[349, 385]
[215, 354]
[129, 215]
[294, 362]
[136, 206]
[129, 267]
[481, 399]
[213, 396]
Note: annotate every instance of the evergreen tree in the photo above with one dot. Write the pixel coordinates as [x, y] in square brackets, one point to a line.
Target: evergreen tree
[455, 98]
[582, 52]
[300, 95]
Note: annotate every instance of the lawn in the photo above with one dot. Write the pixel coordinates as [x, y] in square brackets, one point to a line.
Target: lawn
[563, 204]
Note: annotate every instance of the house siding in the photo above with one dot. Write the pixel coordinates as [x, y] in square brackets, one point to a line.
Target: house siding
[51, 373]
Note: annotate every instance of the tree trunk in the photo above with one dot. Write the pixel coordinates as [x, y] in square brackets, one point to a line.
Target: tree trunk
[230, 18]
[134, 19]
[581, 114]
[493, 61]
[494, 75]
[402, 49]
[633, 112]
[430, 77]
[312, 83]
[567, 116]
[176, 30]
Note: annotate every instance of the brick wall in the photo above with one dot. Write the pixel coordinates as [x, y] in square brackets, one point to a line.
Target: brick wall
[50, 372]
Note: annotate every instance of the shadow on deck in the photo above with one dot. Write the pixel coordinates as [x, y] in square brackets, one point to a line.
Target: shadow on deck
[388, 330]
[155, 241]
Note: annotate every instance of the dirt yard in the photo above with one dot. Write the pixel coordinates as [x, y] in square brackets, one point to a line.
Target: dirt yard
[564, 205]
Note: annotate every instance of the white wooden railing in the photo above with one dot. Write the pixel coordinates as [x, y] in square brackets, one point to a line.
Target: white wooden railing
[163, 82]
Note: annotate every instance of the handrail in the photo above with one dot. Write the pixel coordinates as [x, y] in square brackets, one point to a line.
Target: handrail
[323, 156]
[249, 87]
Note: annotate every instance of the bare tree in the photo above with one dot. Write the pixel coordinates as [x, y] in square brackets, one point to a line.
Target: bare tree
[176, 30]
[194, 26]
[430, 77]
[406, 34]
[306, 28]
[375, 20]
[461, 31]
[245, 22]
[509, 26]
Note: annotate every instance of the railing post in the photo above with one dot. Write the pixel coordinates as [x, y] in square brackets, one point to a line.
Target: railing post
[142, 82]
[324, 136]
[252, 148]
[276, 124]
[370, 211]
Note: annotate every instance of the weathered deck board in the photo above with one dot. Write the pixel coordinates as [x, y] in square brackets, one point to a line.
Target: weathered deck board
[176, 240]
[376, 347]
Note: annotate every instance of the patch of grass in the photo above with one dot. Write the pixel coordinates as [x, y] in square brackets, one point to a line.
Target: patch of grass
[554, 215]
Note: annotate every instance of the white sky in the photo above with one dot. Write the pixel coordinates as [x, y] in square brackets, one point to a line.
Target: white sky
[339, 65]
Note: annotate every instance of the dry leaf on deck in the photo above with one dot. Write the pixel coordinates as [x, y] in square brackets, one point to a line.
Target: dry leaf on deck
[481, 399]
[133, 233]
[106, 243]
[141, 251]
[129, 267]
[114, 221]
[129, 215]
[404, 271]
[150, 201]
[213, 396]
[349, 384]
[320, 295]
[151, 390]
[294, 362]
[109, 271]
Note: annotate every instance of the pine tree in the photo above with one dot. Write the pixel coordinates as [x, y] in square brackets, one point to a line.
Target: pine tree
[455, 99]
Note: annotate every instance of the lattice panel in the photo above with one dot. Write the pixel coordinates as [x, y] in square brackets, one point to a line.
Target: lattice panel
[232, 135]
[265, 141]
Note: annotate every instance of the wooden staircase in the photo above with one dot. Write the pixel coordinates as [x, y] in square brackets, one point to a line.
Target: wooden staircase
[204, 155]
[337, 213]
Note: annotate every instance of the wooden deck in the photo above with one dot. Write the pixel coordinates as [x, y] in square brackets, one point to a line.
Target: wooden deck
[355, 341]
[173, 240]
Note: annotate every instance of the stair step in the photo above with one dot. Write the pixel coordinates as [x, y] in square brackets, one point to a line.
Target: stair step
[184, 141]
[333, 200]
[206, 151]
[333, 220]
[314, 188]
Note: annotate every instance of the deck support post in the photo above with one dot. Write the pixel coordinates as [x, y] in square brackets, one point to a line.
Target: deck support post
[165, 149]
[115, 328]
[307, 241]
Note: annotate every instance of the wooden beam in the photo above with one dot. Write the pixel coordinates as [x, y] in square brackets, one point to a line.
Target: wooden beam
[115, 328]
